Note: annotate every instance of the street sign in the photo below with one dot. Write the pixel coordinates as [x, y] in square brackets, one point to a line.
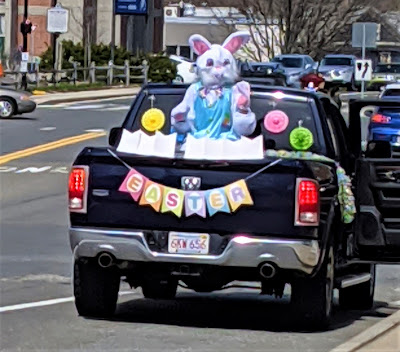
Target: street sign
[364, 32]
[23, 66]
[363, 70]
[131, 7]
[25, 56]
[57, 19]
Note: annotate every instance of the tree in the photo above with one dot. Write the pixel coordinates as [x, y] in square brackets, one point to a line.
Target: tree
[295, 26]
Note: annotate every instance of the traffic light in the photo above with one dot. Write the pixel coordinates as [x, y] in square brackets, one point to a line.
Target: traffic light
[26, 27]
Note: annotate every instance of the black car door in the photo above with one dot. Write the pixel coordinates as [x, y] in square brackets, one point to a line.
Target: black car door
[377, 191]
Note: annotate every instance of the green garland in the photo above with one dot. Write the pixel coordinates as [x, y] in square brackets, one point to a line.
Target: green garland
[345, 194]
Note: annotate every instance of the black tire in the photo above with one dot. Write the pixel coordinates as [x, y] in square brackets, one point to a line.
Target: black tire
[359, 296]
[313, 298]
[7, 107]
[159, 289]
[95, 289]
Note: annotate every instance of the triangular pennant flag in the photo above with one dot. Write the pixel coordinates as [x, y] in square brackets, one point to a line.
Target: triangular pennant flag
[217, 201]
[195, 203]
[152, 195]
[172, 201]
[134, 183]
[238, 194]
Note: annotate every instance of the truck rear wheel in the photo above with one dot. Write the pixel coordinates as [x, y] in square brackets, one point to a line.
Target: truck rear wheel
[313, 297]
[359, 296]
[159, 289]
[95, 289]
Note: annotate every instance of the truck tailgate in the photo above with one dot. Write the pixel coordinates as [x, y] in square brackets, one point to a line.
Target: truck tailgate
[273, 193]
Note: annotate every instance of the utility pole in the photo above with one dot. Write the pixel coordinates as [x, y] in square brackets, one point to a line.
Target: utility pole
[113, 31]
[55, 36]
[24, 82]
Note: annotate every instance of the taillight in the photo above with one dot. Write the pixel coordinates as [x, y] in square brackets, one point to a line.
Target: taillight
[77, 189]
[379, 118]
[307, 203]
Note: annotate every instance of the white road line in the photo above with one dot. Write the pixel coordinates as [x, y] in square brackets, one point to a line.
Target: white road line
[118, 108]
[49, 302]
[50, 128]
[36, 304]
[86, 107]
[95, 130]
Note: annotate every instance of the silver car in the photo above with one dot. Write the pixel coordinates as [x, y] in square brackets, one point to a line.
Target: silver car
[15, 102]
[294, 66]
[338, 70]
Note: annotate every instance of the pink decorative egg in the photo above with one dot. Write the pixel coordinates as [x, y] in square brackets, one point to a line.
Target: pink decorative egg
[276, 121]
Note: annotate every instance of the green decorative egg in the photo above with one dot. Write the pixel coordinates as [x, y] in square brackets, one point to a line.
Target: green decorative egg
[301, 138]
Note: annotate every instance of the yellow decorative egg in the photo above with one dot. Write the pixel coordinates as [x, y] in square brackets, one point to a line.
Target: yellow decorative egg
[153, 120]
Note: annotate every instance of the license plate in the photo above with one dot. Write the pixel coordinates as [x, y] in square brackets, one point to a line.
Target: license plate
[188, 243]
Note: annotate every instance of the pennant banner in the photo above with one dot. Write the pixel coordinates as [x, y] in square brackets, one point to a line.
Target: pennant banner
[172, 201]
[217, 201]
[195, 203]
[133, 183]
[166, 199]
[152, 195]
[238, 194]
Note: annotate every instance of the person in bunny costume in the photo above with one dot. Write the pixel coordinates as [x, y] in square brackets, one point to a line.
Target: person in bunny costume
[215, 106]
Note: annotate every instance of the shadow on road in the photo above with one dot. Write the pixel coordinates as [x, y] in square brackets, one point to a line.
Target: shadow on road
[229, 311]
[16, 118]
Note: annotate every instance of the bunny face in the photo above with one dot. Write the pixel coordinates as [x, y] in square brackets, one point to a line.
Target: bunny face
[216, 65]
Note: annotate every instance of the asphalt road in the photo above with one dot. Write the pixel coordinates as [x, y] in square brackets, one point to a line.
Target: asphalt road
[35, 266]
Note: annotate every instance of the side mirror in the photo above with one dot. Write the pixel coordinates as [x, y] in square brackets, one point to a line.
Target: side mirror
[307, 66]
[379, 149]
[114, 136]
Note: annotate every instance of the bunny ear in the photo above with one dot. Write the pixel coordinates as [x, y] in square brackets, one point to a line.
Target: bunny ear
[236, 40]
[199, 44]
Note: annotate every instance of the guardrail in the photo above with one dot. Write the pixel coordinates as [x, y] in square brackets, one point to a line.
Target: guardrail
[108, 74]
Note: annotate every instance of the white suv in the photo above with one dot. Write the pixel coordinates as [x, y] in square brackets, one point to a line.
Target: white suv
[186, 72]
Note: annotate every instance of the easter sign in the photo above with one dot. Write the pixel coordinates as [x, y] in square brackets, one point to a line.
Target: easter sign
[166, 199]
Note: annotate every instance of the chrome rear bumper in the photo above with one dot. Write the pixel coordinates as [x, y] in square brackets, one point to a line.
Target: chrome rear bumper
[241, 251]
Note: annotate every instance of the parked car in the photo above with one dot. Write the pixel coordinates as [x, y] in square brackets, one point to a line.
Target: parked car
[15, 102]
[186, 72]
[391, 91]
[294, 66]
[338, 70]
[385, 126]
[384, 74]
[267, 73]
[293, 233]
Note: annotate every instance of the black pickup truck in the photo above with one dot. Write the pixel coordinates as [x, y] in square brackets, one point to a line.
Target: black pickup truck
[274, 242]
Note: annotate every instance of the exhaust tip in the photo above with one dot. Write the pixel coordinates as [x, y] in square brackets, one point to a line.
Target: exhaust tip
[267, 271]
[105, 260]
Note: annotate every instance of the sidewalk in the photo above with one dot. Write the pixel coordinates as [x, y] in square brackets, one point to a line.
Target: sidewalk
[54, 98]
[381, 337]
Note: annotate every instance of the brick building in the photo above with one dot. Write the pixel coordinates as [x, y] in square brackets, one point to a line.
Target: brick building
[89, 21]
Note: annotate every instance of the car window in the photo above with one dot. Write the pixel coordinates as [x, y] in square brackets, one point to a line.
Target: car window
[336, 61]
[295, 107]
[289, 62]
[387, 68]
[391, 93]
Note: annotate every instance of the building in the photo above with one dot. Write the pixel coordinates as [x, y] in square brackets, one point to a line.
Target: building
[213, 23]
[5, 28]
[90, 21]
[387, 37]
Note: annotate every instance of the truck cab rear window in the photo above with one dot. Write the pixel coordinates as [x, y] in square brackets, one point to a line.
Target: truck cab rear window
[297, 108]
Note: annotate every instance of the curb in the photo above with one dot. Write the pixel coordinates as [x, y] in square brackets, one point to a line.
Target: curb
[56, 98]
[370, 335]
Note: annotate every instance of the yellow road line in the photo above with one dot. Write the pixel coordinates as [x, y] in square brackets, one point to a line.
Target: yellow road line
[49, 146]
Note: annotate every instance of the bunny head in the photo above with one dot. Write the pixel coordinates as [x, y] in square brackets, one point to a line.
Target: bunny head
[216, 65]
